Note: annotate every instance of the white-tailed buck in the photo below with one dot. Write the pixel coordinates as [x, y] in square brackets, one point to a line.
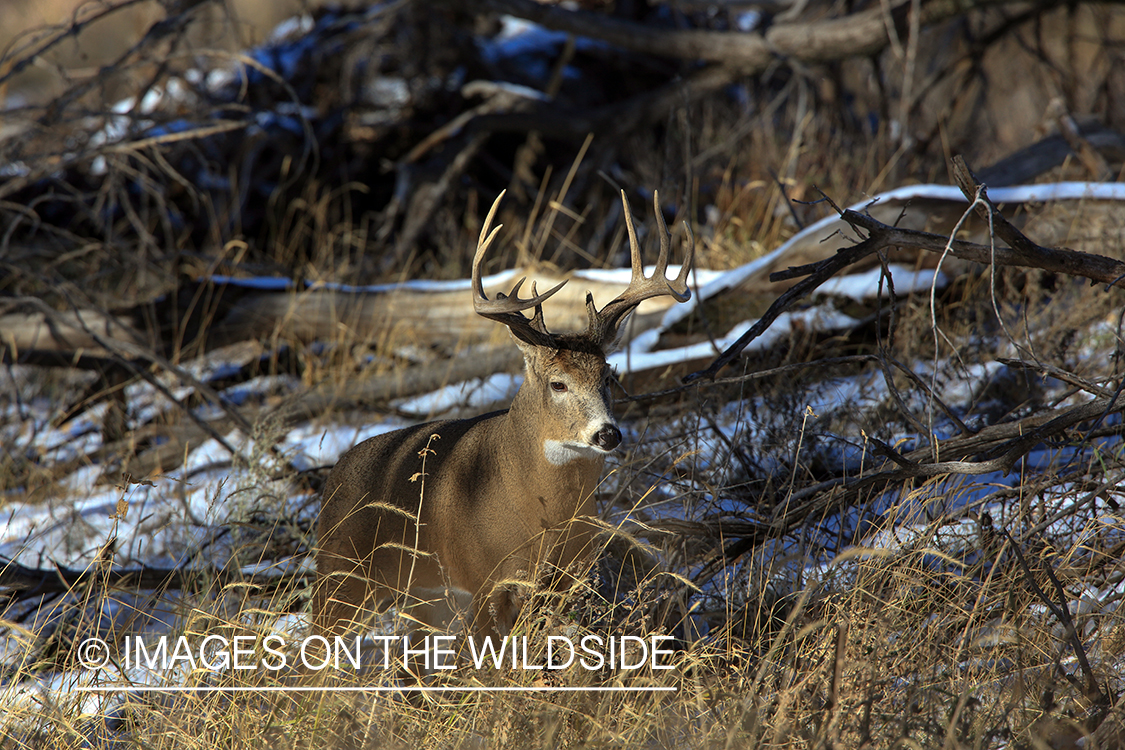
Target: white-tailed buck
[475, 504]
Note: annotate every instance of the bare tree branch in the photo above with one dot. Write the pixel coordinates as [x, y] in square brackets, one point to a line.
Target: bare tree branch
[857, 34]
[19, 582]
[1000, 446]
[1022, 252]
[1060, 260]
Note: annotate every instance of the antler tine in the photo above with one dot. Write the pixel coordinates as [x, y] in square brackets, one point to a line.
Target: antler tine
[680, 285]
[677, 289]
[634, 246]
[507, 309]
[665, 238]
[603, 325]
[537, 318]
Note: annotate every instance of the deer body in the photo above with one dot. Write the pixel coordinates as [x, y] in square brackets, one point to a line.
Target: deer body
[477, 504]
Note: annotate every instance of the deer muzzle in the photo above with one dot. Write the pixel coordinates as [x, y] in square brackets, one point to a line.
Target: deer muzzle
[607, 438]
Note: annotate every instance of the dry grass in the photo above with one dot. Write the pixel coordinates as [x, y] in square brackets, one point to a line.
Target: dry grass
[881, 646]
[934, 635]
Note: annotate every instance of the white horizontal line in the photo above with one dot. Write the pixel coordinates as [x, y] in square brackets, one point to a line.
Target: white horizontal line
[352, 689]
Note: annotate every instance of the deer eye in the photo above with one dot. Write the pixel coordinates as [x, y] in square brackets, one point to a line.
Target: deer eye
[558, 387]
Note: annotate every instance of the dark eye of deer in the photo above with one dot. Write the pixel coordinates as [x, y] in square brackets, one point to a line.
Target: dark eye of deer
[558, 387]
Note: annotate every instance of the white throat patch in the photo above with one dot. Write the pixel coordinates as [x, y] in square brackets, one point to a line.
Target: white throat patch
[558, 452]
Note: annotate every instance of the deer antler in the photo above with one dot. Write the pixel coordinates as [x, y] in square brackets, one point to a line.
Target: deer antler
[507, 308]
[603, 325]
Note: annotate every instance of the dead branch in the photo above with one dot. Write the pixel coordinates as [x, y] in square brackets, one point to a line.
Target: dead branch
[859, 34]
[1061, 611]
[1055, 372]
[1021, 252]
[1098, 268]
[19, 582]
[1058, 260]
[133, 357]
[999, 447]
[818, 274]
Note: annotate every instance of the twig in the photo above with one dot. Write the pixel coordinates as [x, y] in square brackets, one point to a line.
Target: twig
[851, 359]
[73, 29]
[1057, 373]
[822, 272]
[179, 14]
[130, 356]
[1061, 611]
[20, 582]
[1007, 443]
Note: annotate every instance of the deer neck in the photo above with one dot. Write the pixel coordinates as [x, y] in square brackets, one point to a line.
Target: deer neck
[561, 475]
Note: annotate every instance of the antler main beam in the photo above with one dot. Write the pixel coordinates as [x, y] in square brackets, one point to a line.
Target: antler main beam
[508, 308]
[604, 324]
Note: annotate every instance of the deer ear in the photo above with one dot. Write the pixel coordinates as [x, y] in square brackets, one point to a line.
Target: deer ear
[610, 345]
[526, 347]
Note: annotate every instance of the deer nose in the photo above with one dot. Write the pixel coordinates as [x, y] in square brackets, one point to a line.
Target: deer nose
[608, 437]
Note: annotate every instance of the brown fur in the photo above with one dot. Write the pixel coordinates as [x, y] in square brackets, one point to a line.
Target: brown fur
[493, 508]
